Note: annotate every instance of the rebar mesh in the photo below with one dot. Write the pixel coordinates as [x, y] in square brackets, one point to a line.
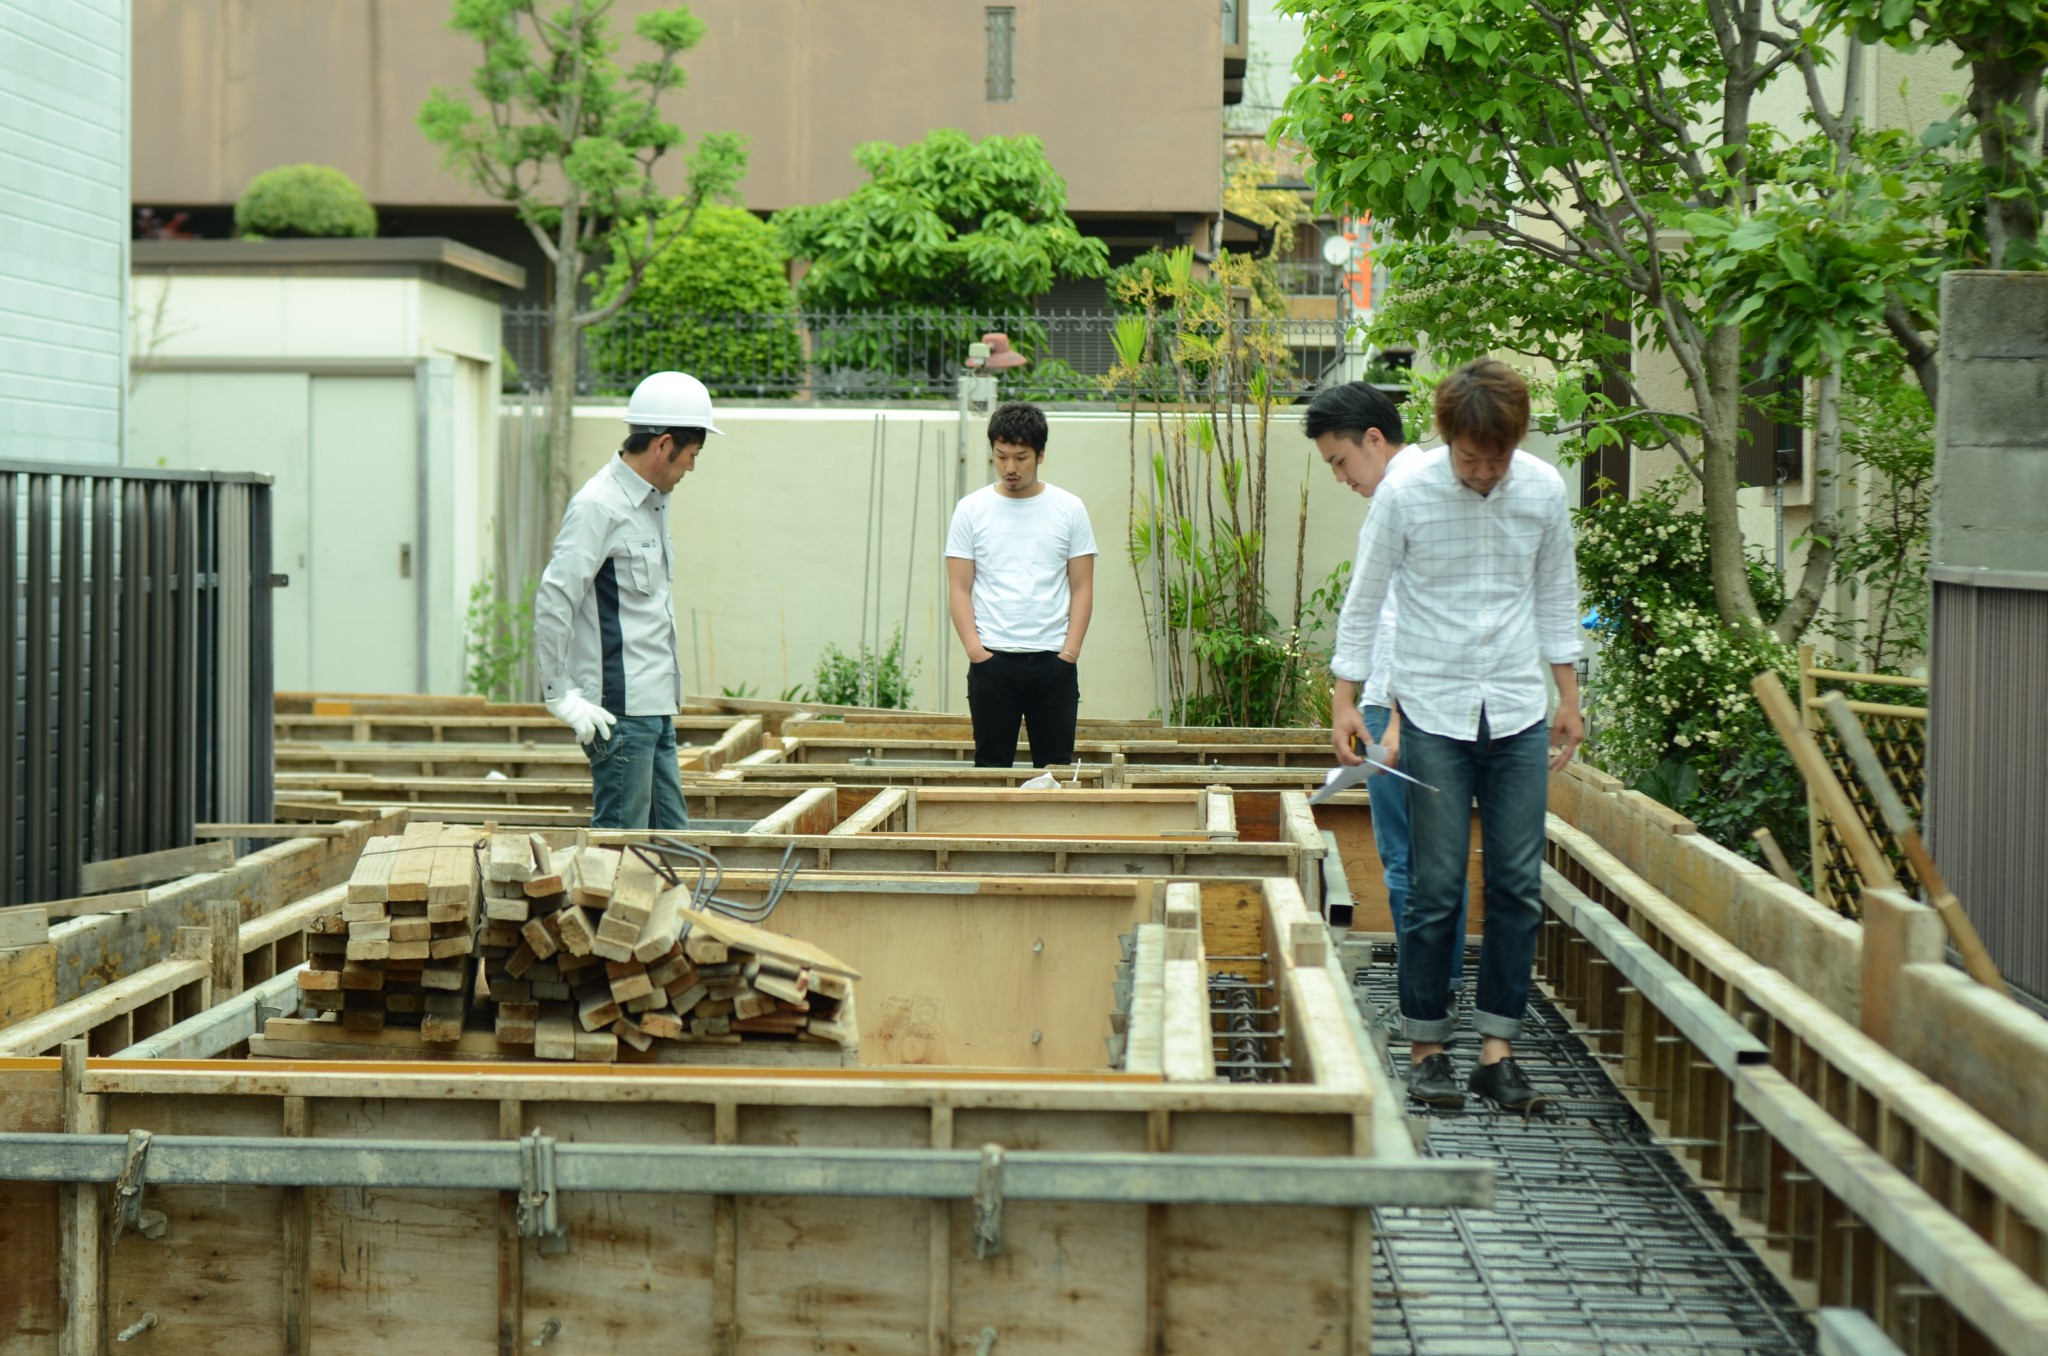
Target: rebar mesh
[1598, 1244]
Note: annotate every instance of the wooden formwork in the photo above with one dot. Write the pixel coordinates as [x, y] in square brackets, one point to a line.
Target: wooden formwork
[881, 1210]
[1864, 1181]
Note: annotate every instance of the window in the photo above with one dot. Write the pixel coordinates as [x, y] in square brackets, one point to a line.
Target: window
[1002, 53]
[1233, 23]
[1772, 438]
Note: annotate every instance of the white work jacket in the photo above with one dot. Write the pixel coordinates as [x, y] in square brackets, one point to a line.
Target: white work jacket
[603, 618]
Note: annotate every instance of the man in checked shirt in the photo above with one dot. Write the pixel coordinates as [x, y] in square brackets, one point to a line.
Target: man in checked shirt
[1474, 540]
[603, 622]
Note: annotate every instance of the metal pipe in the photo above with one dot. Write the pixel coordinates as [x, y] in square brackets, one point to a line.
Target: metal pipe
[737, 1169]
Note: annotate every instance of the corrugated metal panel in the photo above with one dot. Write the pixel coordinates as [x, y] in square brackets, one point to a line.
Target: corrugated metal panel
[1987, 761]
[135, 697]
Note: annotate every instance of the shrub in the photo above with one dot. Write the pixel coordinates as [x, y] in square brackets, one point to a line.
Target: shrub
[870, 679]
[304, 200]
[1670, 707]
[715, 304]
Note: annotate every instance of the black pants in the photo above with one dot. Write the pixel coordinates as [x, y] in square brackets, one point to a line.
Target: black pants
[1036, 687]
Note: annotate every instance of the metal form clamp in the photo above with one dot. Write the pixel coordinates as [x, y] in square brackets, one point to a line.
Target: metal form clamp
[537, 1195]
[128, 1211]
[988, 1204]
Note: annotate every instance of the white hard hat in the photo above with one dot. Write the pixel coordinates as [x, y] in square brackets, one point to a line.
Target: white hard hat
[671, 400]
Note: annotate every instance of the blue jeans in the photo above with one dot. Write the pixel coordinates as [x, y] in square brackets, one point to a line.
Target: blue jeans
[1509, 777]
[633, 776]
[1389, 797]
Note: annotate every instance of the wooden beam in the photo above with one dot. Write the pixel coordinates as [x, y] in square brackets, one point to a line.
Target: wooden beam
[268, 830]
[81, 1256]
[295, 1216]
[123, 873]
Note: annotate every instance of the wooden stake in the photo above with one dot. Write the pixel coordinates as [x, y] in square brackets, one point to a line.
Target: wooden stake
[1781, 865]
[1961, 931]
[1820, 779]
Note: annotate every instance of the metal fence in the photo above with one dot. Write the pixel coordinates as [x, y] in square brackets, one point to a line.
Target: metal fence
[1987, 767]
[135, 700]
[888, 355]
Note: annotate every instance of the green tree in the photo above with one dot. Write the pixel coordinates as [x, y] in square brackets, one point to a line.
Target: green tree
[718, 302]
[570, 142]
[1607, 151]
[943, 224]
[2005, 45]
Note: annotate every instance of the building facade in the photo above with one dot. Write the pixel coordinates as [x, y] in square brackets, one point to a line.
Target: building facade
[64, 166]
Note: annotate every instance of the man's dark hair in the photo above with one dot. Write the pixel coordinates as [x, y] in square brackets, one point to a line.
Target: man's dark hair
[1485, 403]
[1351, 409]
[640, 439]
[1018, 422]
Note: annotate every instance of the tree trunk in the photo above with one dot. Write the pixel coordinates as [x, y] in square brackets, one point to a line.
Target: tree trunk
[1822, 536]
[1721, 418]
[2005, 98]
[563, 366]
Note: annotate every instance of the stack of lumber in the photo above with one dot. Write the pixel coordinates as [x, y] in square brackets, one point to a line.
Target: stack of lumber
[577, 950]
[607, 952]
[399, 952]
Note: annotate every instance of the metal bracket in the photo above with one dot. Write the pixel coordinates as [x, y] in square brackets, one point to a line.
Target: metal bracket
[128, 1211]
[988, 1204]
[537, 1195]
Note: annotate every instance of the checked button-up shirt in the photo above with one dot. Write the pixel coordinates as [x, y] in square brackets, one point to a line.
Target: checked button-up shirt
[603, 619]
[1484, 586]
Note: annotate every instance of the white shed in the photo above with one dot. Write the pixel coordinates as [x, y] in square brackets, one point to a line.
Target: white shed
[363, 376]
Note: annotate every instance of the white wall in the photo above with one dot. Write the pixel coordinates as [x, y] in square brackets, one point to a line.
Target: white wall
[773, 549]
[63, 228]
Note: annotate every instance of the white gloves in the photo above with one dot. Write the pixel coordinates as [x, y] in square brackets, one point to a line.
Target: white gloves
[589, 720]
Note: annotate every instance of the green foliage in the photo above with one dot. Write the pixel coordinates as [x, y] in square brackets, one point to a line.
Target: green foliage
[497, 635]
[793, 693]
[1670, 707]
[303, 200]
[556, 103]
[1047, 379]
[1200, 517]
[2005, 45]
[1810, 270]
[717, 303]
[866, 679]
[508, 370]
[1888, 426]
[943, 224]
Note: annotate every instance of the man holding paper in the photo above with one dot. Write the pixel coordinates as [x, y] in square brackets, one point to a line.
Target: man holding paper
[1474, 542]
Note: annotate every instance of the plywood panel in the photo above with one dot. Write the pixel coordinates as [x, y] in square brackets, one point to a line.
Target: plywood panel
[1070, 813]
[960, 979]
[819, 1274]
[31, 1098]
[638, 1275]
[215, 1276]
[412, 1271]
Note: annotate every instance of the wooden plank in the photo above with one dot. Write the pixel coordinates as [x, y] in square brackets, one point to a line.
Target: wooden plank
[80, 1258]
[23, 925]
[664, 926]
[55, 910]
[78, 1017]
[413, 867]
[876, 812]
[747, 937]
[268, 830]
[123, 873]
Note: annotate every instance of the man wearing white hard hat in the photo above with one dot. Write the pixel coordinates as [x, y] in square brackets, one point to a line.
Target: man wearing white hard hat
[604, 628]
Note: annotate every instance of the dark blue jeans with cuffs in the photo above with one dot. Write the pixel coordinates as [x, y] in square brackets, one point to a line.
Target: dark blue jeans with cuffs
[634, 781]
[1509, 778]
[1390, 837]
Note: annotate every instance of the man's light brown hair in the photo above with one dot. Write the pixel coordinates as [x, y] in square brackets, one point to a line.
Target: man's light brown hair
[1485, 405]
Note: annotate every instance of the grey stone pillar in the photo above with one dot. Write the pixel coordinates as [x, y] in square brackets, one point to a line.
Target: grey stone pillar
[1987, 768]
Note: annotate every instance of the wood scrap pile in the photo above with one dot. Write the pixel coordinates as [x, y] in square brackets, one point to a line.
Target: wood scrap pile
[400, 951]
[579, 949]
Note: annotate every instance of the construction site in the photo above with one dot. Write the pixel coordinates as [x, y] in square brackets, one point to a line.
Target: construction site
[889, 1055]
[340, 1013]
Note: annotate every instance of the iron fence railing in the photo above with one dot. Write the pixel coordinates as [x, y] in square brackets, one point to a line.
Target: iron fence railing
[889, 355]
[135, 697]
[1299, 278]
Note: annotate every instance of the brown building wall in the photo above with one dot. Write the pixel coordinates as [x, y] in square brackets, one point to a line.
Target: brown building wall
[1127, 94]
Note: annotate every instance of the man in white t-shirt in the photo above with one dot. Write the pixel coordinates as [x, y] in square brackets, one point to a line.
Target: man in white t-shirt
[1020, 570]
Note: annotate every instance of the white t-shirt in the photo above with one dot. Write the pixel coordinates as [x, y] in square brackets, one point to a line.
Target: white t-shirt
[1020, 549]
